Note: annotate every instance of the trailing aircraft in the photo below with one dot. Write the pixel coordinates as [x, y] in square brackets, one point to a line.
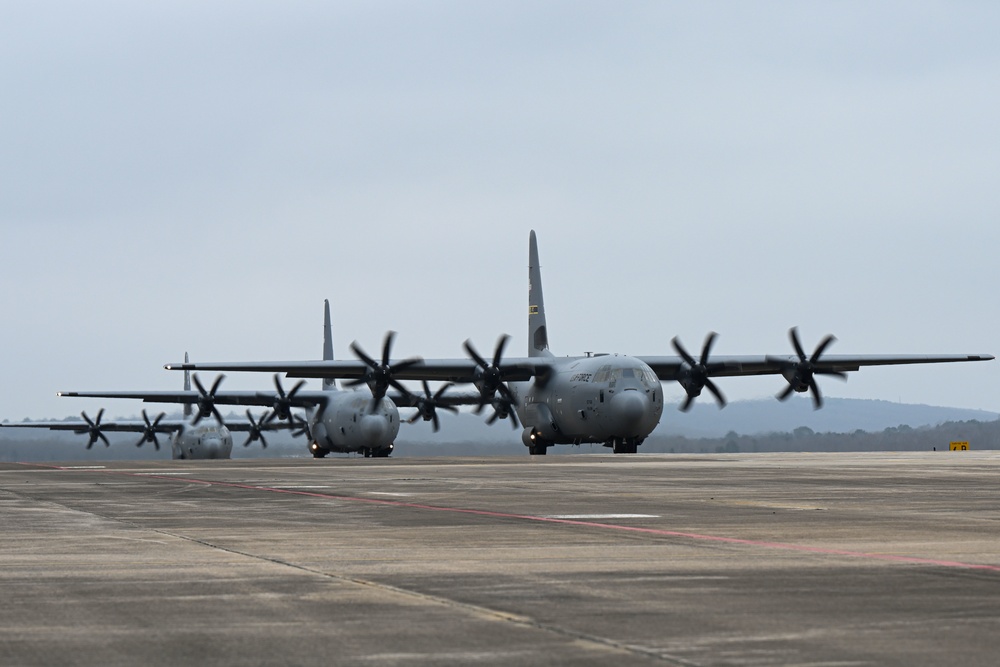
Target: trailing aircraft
[188, 440]
[615, 400]
[337, 420]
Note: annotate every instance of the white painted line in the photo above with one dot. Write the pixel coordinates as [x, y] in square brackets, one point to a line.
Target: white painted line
[388, 493]
[601, 516]
[300, 486]
[83, 467]
[158, 474]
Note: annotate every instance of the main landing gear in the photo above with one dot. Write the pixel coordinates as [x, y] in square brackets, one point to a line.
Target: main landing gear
[625, 445]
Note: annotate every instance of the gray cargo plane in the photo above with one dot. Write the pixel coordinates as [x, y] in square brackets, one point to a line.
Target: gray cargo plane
[336, 420]
[194, 440]
[615, 400]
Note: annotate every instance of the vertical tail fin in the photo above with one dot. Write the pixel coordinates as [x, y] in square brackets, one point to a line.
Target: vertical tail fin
[538, 335]
[187, 387]
[328, 383]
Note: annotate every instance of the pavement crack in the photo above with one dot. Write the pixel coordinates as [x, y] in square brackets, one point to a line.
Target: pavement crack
[477, 610]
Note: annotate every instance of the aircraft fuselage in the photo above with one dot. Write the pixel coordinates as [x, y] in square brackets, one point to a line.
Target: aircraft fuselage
[204, 441]
[347, 423]
[609, 399]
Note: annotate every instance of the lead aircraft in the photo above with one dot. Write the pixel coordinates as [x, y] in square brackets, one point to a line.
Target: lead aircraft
[188, 440]
[615, 400]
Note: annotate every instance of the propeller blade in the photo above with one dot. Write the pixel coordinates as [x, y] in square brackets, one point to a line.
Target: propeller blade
[498, 350]
[218, 416]
[676, 342]
[706, 348]
[471, 351]
[817, 396]
[786, 392]
[719, 398]
[825, 343]
[793, 335]
[387, 346]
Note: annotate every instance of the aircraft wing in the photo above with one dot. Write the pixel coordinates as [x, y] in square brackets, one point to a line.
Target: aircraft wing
[122, 425]
[446, 370]
[671, 367]
[441, 400]
[261, 398]
[275, 425]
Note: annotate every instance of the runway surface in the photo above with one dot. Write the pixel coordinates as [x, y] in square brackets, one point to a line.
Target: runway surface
[747, 559]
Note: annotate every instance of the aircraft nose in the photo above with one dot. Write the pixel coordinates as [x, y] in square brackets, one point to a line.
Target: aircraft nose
[212, 447]
[374, 429]
[627, 411]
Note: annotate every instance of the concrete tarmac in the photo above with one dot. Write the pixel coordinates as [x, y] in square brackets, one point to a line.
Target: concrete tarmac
[745, 559]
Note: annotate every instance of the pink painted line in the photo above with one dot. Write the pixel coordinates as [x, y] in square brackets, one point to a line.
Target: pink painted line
[801, 548]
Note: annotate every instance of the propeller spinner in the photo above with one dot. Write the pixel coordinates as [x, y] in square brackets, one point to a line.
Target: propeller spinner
[149, 433]
[93, 428]
[490, 380]
[256, 431]
[283, 402]
[695, 376]
[380, 375]
[801, 374]
[428, 404]
[206, 400]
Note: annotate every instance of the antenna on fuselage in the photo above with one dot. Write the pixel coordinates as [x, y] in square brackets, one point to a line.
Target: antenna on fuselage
[538, 336]
[328, 383]
[187, 387]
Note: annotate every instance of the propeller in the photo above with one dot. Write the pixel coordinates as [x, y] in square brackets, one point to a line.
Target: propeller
[93, 428]
[256, 431]
[502, 409]
[490, 379]
[695, 376]
[149, 433]
[303, 427]
[282, 401]
[801, 374]
[206, 400]
[427, 405]
[379, 376]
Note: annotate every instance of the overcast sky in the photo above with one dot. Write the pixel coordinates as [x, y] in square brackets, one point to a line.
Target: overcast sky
[190, 176]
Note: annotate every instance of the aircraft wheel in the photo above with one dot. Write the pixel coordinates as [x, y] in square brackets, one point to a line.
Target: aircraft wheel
[624, 446]
[538, 449]
[319, 453]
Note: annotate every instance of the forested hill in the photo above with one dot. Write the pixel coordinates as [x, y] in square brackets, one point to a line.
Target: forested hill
[838, 415]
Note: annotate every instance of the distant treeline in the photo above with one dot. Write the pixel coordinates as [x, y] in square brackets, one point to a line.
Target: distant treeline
[979, 434]
[18, 445]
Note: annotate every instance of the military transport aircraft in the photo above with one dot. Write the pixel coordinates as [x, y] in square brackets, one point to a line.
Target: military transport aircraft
[194, 440]
[336, 420]
[615, 400]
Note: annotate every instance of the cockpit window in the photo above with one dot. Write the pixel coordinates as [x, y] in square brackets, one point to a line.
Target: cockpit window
[602, 374]
[648, 378]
